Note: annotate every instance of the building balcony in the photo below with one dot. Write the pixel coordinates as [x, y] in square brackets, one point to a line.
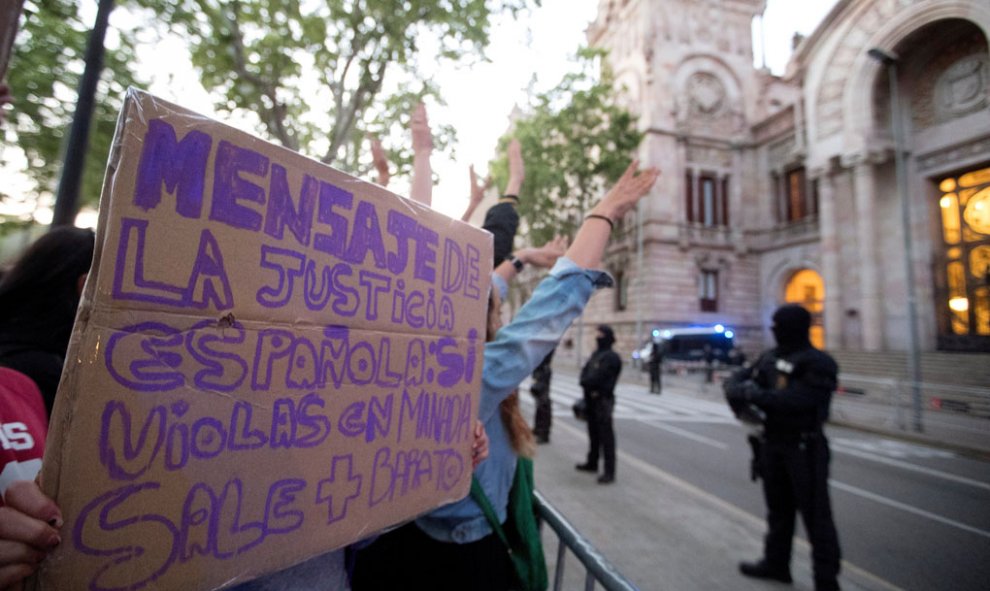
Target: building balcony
[784, 234]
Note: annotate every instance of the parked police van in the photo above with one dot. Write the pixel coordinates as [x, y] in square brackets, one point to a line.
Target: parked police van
[688, 344]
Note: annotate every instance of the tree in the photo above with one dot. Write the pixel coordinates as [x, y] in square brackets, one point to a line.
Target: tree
[576, 141]
[269, 56]
[44, 76]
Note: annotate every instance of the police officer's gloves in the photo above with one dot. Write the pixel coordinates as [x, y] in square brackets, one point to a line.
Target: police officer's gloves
[740, 396]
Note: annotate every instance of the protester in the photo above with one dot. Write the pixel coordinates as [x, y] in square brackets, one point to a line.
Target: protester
[501, 219]
[38, 301]
[791, 387]
[543, 419]
[456, 540]
[598, 378]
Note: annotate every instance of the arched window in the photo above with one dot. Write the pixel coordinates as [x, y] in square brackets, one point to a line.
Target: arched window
[965, 262]
[807, 288]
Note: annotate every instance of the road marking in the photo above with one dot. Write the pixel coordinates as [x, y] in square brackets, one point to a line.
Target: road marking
[687, 434]
[841, 448]
[753, 520]
[904, 507]
[894, 449]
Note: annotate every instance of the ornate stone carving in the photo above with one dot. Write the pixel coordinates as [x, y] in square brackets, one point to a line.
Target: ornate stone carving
[710, 156]
[706, 94]
[948, 156]
[781, 152]
[962, 88]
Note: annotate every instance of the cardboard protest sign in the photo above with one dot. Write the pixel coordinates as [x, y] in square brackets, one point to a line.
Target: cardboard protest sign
[272, 359]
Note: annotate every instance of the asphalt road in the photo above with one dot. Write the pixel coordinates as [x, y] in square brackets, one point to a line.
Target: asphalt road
[915, 516]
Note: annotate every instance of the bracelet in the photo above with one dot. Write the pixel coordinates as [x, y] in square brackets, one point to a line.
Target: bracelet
[516, 263]
[611, 224]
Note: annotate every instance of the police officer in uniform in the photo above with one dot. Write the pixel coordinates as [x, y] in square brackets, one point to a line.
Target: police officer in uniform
[598, 378]
[790, 387]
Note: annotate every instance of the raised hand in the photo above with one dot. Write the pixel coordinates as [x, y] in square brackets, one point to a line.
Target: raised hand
[624, 195]
[545, 256]
[380, 160]
[592, 237]
[422, 140]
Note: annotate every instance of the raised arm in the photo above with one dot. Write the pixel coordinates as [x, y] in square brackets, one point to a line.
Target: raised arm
[543, 257]
[380, 160]
[422, 175]
[477, 193]
[592, 237]
[517, 169]
[561, 297]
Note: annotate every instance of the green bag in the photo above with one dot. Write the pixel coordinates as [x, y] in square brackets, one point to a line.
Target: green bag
[521, 534]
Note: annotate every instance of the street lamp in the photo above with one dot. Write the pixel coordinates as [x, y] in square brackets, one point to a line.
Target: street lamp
[889, 61]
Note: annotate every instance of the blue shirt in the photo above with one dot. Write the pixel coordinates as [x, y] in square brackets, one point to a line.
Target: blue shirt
[516, 351]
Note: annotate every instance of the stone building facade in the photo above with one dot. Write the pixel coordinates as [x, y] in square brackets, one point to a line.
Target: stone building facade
[784, 188]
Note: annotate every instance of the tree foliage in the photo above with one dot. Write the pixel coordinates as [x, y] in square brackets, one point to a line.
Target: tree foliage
[44, 77]
[314, 72]
[576, 141]
[268, 57]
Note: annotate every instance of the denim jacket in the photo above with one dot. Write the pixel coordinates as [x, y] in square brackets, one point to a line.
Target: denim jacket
[517, 349]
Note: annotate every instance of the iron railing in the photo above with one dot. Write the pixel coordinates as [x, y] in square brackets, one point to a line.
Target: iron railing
[597, 568]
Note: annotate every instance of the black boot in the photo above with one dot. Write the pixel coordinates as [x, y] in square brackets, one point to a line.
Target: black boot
[586, 467]
[761, 570]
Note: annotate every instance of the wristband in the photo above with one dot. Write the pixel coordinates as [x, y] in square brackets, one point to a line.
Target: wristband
[516, 263]
[611, 224]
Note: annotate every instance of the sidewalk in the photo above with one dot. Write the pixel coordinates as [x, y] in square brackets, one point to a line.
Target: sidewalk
[660, 532]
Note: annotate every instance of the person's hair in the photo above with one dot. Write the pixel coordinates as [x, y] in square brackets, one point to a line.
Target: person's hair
[40, 293]
[520, 435]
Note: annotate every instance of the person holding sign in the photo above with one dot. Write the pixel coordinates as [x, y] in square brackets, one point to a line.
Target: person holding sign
[457, 540]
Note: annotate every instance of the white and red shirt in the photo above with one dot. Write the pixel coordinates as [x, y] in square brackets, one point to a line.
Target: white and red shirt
[23, 428]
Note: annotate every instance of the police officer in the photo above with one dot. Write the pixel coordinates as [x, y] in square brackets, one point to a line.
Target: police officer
[541, 393]
[656, 366]
[598, 378]
[791, 387]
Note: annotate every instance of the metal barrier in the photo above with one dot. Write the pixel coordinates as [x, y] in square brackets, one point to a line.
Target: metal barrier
[597, 568]
[952, 414]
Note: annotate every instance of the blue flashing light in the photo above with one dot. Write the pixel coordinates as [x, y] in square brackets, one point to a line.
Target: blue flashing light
[656, 333]
[729, 334]
[666, 334]
[719, 328]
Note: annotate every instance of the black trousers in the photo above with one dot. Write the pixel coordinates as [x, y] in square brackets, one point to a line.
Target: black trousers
[655, 378]
[795, 480]
[407, 558]
[601, 434]
[544, 409]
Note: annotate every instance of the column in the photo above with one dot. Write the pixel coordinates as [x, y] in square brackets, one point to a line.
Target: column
[831, 273]
[866, 228]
